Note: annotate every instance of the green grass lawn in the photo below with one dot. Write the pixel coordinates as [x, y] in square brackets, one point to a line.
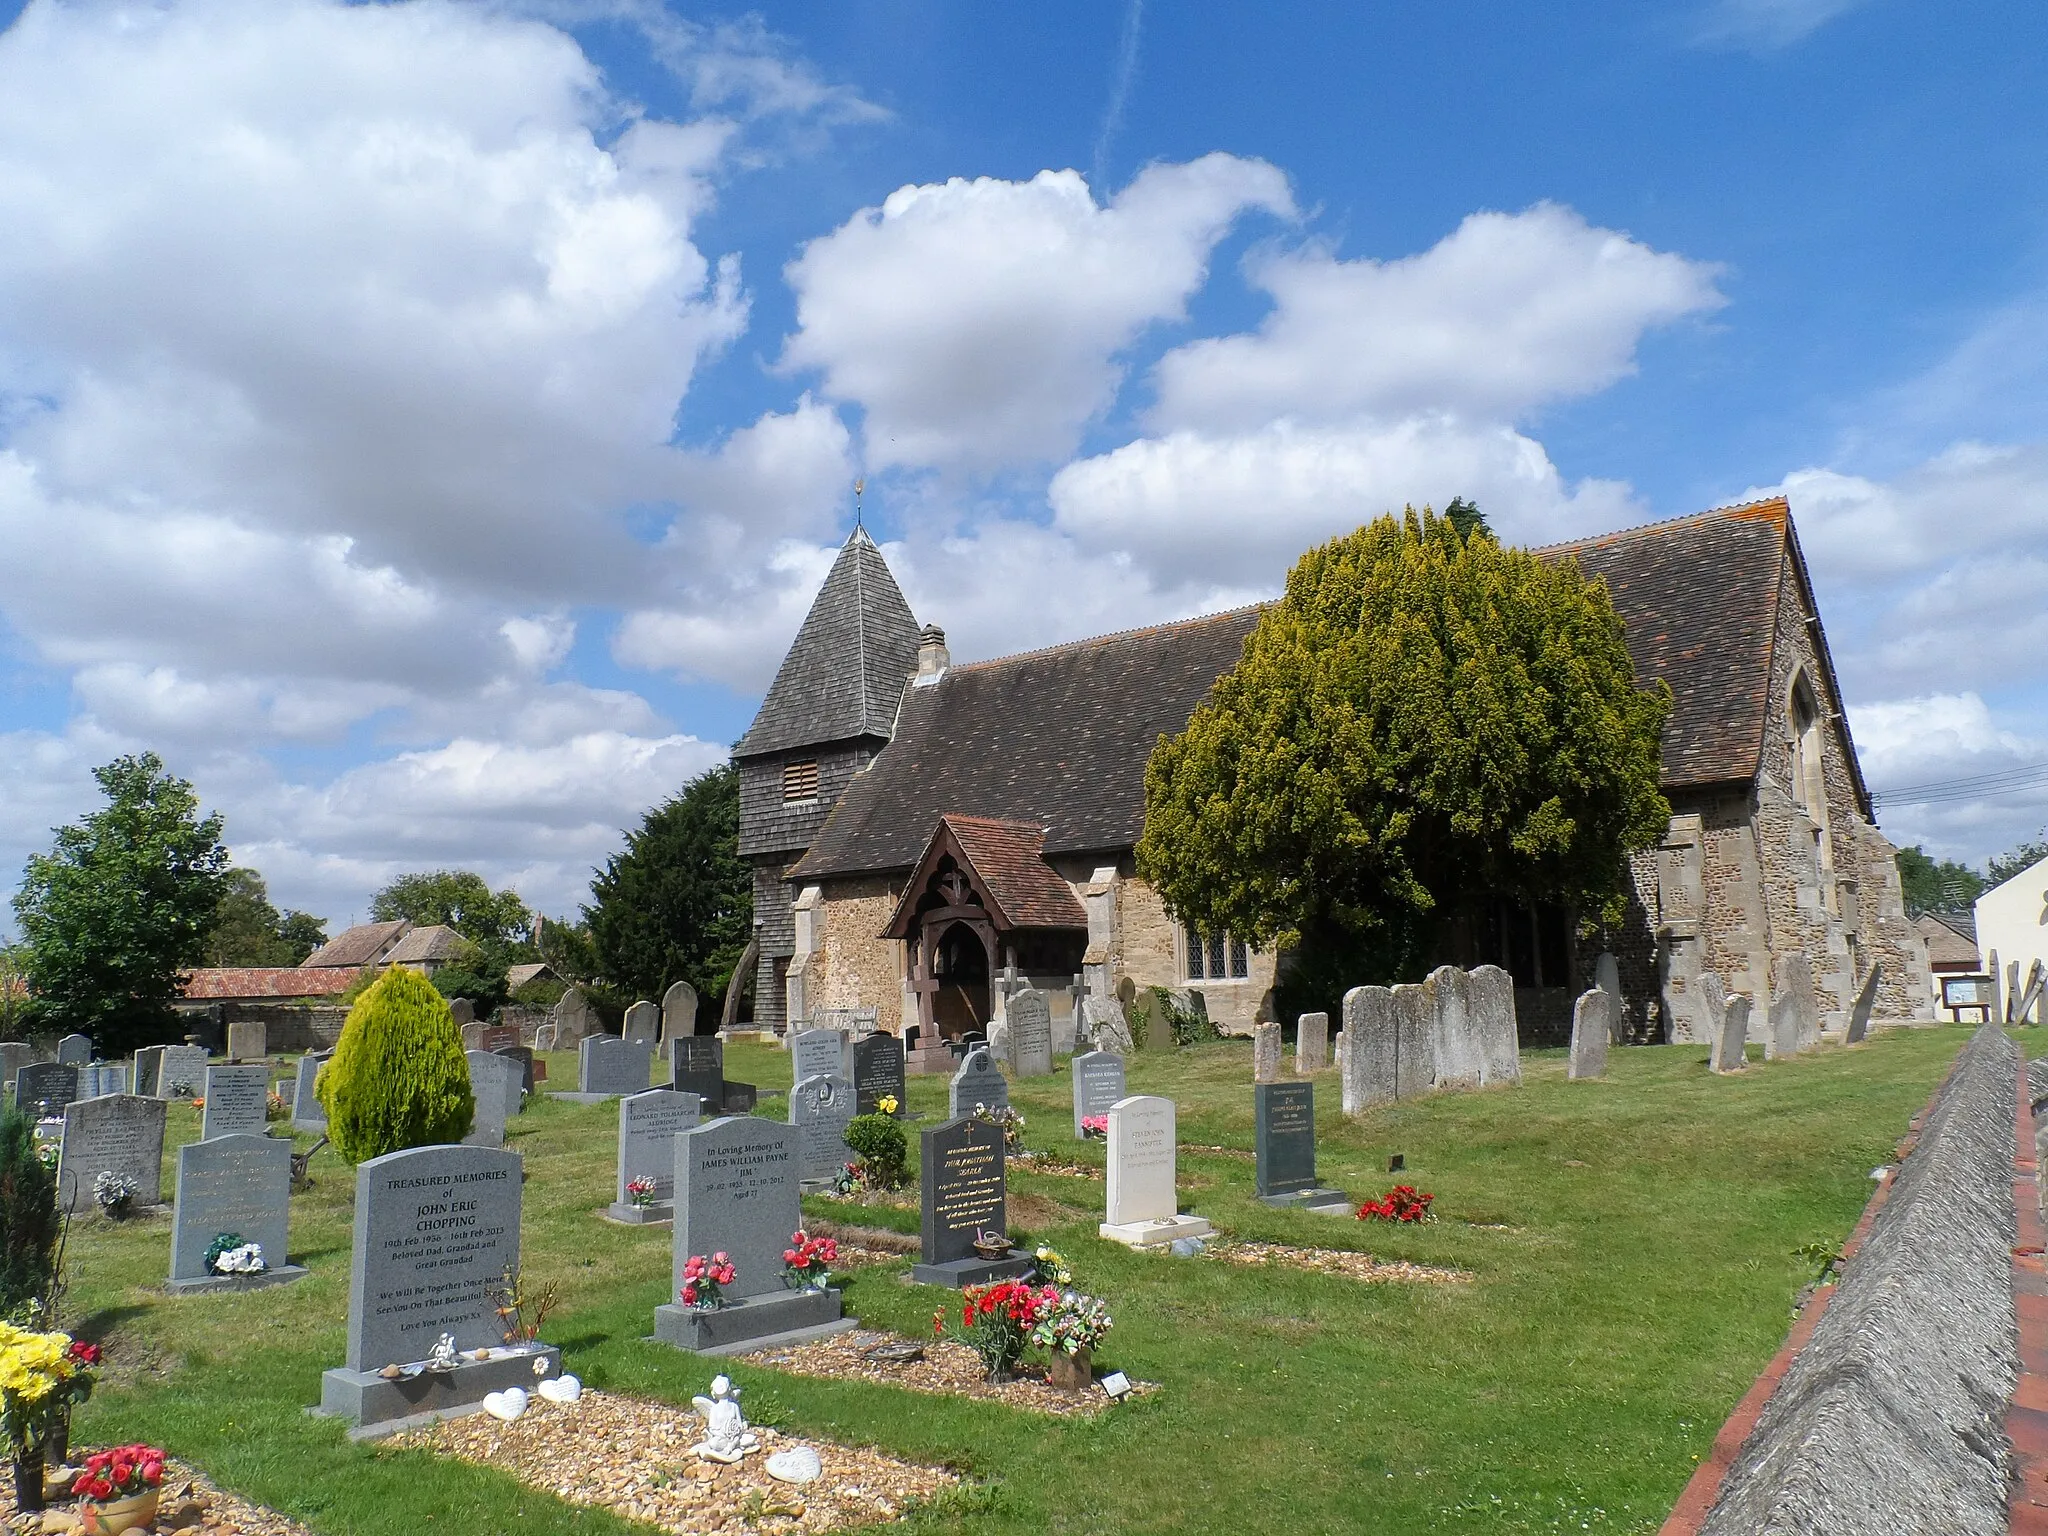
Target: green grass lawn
[1633, 1241]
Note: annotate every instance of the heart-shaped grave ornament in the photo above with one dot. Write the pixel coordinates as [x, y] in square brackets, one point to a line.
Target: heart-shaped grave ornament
[798, 1464]
[561, 1389]
[506, 1405]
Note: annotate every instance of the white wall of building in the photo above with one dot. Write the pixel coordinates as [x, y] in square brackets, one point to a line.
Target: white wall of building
[2010, 920]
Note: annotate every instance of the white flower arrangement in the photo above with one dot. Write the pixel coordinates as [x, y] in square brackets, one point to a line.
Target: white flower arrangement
[245, 1260]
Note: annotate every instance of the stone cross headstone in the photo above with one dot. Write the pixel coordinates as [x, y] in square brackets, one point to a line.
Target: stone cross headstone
[307, 1113]
[1030, 1020]
[643, 1023]
[819, 1111]
[819, 1053]
[962, 1196]
[679, 1011]
[574, 1020]
[1142, 1206]
[1266, 1052]
[648, 1126]
[979, 1081]
[237, 1102]
[115, 1133]
[228, 1185]
[248, 1040]
[182, 1072]
[14, 1055]
[1490, 994]
[607, 1065]
[1284, 1125]
[45, 1088]
[1311, 1043]
[74, 1050]
[1866, 1000]
[497, 1084]
[1592, 1029]
[1098, 1083]
[1368, 1046]
[1734, 1036]
[878, 1073]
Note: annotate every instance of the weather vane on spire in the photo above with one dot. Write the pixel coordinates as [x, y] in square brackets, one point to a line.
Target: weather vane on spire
[858, 486]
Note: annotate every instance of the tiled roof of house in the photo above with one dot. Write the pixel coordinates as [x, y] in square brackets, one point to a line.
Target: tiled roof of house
[358, 946]
[517, 976]
[221, 982]
[434, 942]
[845, 671]
[1951, 937]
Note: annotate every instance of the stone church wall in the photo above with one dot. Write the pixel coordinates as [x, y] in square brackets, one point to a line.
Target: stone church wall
[852, 967]
[1149, 952]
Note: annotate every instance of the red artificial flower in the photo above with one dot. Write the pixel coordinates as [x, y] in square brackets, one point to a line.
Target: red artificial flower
[84, 1353]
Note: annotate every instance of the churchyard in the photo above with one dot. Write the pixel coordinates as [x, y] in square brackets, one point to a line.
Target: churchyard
[1612, 1263]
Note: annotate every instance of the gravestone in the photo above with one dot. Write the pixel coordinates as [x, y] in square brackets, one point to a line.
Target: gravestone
[574, 1019]
[523, 1054]
[736, 1193]
[182, 1072]
[1265, 1052]
[497, 1084]
[1142, 1206]
[1714, 999]
[1490, 994]
[1866, 1000]
[248, 1040]
[1607, 976]
[74, 1050]
[1734, 1036]
[1795, 981]
[237, 1102]
[695, 1053]
[149, 1066]
[1414, 1006]
[14, 1055]
[929, 1055]
[961, 1195]
[472, 1034]
[978, 1082]
[1030, 1020]
[228, 1185]
[1455, 1036]
[679, 1011]
[607, 1067]
[643, 1023]
[878, 1073]
[117, 1133]
[496, 1037]
[819, 1110]
[1107, 1027]
[207, 1029]
[648, 1126]
[45, 1088]
[1311, 1043]
[1369, 1046]
[1098, 1083]
[1284, 1123]
[436, 1228]
[738, 1098]
[462, 1010]
[819, 1053]
[1154, 1021]
[1592, 1028]
[1781, 1034]
[307, 1113]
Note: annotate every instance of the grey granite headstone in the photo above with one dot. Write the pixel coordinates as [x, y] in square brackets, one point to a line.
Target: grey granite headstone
[523, 1054]
[248, 1040]
[227, 1185]
[643, 1023]
[679, 1011]
[237, 1101]
[1311, 1043]
[45, 1087]
[819, 1053]
[819, 1110]
[962, 1193]
[608, 1066]
[1734, 1036]
[648, 1126]
[979, 1081]
[1284, 1125]
[307, 1113]
[116, 1133]
[1490, 994]
[1866, 1000]
[149, 1065]
[1459, 1061]
[14, 1055]
[182, 1072]
[878, 1073]
[74, 1050]
[496, 1085]
[1030, 1019]
[1098, 1083]
[708, 1083]
[1265, 1053]
[1592, 1029]
[1371, 1056]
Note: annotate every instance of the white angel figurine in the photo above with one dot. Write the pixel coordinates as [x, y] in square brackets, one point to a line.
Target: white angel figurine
[726, 1436]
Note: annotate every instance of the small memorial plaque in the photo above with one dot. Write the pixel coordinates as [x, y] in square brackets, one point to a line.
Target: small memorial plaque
[237, 1101]
[1098, 1083]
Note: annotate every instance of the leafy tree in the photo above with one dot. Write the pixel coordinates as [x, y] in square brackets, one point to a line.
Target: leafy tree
[1933, 885]
[398, 1078]
[459, 899]
[678, 903]
[1421, 723]
[29, 1224]
[569, 950]
[14, 999]
[248, 930]
[481, 979]
[1466, 517]
[2028, 854]
[122, 906]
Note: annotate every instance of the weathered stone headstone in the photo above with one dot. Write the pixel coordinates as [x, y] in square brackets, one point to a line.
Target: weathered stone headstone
[74, 1050]
[1734, 1036]
[237, 1102]
[472, 1032]
[574, 1019]
[149, 1065]
[1607, 976]
[248, 1040]
[1414, 1006]
[819, 1053]
[45, 1087]
[1030, 1020]
[1108, 1026]
[496, 1085]
[1592, 1029]
[819, 1111]
[1369, 1046]
[1311, 1043]
[679, 1011]
[979, 1081]
[1142, 1205]
[1098, 1083]
[181, 1074]
[1155, 1021]
[230, 1185]
[307, 1113]
[1714, 1001]
[878, 1073]
[1459, 1063]
[648, 1126]
[115, 1133]
[1266, 1052]
[736, 1193]
[14, 1055]
[1490, 994]
[1284, 1125]
[962, 1195]
[643, 1023]
[607, 1066]
[523, 1054]
[1781, 1037]
[435, 1229]
[1795, 981]
[1866, 1000]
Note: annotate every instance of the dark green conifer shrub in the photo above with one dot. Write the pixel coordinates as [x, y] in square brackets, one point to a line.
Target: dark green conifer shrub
[398, 1078]
[878, 1141]
[29, 1224]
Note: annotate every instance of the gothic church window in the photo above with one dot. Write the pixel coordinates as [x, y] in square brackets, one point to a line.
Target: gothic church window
[1215, 956]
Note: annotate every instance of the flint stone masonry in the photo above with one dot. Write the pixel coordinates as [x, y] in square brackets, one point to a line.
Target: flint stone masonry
[1265, 1053]
[497, 1084]
[307, 1115]
[232, 1184]
[1098, 1083]
[248, 1040]
[1734, 1037]
[679, 1011]
[1029, 1016]
[1890, 1421]
[961, 1180]
[116, 1133]
[979, 1081]
[819, 1110]
[74, 1050]
[45, 1087]
[1594, 1018]
[878, 1073]
[1141, 1202]
[643, 1023]
[819, 1053]
[183, 1067]
[1866, 999]
[648, 1126]
[1311, 1043]
[237, 1102]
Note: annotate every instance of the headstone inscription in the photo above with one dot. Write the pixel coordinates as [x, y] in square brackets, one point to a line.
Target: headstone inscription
[679, 1011]
[607, 1067]
[1734, 1036]
[45, 1088]
[74, 1050]
[237, 1185]
[1311, 1043]
[643, 1023]
[819, 1110]
[182, 1073]
[436, 1228]
[1592, 1028]
[1284, 1122]
[1098, 1083]
[878, 1074]
[497, 1084]
[14, 1055]
[694, 1053]
[819, 1053]
[1266, 1052]
[496, 1037]
[648, 1126]
[978, 1082]
[736, 1193]
[1030, 1019]
[248, 1040]
[115, 1133]
[307, 1112]
[1142, 1206]
[963, 1199]
[237, 1101]
[1866, 1000]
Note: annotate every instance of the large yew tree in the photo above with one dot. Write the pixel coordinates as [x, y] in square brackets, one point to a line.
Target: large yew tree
[1425, 720]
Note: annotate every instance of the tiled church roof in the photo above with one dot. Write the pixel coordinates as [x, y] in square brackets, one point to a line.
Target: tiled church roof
[843, 675]
[1009, 856]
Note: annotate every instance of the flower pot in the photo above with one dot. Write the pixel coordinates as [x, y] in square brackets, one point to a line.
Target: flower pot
[1072, 1373]
[28, 1480]
[117, 1515]
[993, 1250]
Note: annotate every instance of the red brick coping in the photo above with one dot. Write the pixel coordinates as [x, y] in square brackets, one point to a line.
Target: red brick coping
[2026, 1416]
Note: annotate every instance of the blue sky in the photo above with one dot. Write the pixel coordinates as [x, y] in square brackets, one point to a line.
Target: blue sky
[425, 424]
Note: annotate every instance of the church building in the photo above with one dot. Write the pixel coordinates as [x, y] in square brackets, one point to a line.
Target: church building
[918, 827]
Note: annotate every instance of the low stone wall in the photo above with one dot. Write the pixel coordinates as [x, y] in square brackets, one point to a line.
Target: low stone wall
[1890, 1420]
[289, 1029]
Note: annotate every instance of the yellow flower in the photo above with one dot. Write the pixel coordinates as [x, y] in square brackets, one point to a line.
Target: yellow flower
[886, 1104]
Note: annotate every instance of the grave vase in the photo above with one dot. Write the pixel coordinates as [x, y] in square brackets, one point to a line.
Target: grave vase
[57, 1438]
[28, 1478]
[133, 1513]
[1072, 1373]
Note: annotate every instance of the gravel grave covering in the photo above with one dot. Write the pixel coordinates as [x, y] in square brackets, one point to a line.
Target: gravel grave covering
[1336, 1261]
[191, 1504]
[948, 1369]
[632, 1456]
